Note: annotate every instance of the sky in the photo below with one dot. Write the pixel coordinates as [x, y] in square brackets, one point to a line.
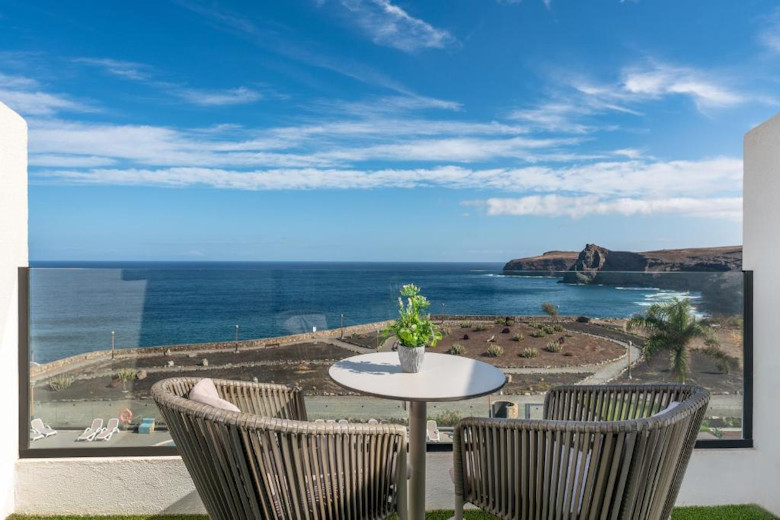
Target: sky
[385, 130]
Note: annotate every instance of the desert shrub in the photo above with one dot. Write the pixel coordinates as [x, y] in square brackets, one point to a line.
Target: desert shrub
[457, 350]
[547, 329]
[517, 337]
[448, 418]
[537, 334]
[481, 327]
[126, 374]
[550, 309]
[465, 324]
[495, 351]
[553, 346]
[529, 353]
[558, 327]
[445, 331]
[60, 382]
[509, 321]
[535, 324]
[499, 321]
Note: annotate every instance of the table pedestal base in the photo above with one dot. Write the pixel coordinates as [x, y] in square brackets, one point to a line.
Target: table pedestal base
[417, 447]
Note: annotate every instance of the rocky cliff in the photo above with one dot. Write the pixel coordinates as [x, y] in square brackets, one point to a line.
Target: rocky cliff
[714, 272]
[595, 258]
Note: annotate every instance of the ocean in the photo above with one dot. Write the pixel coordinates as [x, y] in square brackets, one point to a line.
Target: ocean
[74, 307]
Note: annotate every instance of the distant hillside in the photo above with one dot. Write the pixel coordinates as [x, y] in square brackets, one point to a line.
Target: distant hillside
[597, 258]
[712, 272]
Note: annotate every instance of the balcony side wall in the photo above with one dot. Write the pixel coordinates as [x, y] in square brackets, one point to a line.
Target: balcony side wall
[13, 254]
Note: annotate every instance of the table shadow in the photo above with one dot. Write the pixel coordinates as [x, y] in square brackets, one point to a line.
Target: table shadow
[369, 367]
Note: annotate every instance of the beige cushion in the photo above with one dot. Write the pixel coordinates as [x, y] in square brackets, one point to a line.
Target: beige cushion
[205, 392]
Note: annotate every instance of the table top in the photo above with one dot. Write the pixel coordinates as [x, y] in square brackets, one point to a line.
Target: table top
[443, 377]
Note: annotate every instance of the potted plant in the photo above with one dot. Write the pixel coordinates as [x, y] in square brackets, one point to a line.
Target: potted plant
[413, 328]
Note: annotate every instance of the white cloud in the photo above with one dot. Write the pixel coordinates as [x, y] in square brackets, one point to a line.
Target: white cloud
[660, 80]
[26, 97]
[389, 25]
[234, 96]
[769, 36]
[729, 208]
[122, 69]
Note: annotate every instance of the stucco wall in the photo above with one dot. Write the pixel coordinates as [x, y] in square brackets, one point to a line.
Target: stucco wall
[714, 476]
[13, 254]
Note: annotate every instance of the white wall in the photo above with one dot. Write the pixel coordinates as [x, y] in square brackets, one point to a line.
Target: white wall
[13, 254]
[740, 476]
[146, 486]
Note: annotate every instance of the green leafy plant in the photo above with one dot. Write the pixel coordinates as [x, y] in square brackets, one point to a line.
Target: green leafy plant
[414, 328]
[553, 346]
[495, 351]
[60, 382]
[529, 353]
[457, 350]
[547, 329]
[518, 336]
[671, 327]
[558, 327]
[499, 321]
[537, 334]
[125, 375]
[465, 324]
[481, 327]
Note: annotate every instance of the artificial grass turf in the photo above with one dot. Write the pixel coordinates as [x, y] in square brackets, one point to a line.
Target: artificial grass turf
[746, 512]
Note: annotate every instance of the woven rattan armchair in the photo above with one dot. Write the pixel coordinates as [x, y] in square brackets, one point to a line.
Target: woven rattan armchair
[600, 452]
[268, 462]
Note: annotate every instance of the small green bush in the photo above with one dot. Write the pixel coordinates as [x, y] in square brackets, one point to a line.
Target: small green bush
[548, 329]
[558, 327]
[518, 337]
[480, 327]
[550, 309]
[537, 334]
[553, 346]
[465, 324]
[529, 353]
[448, 418]
[499, 321]
[445, 331]
[60, 382]
[457, 350]
[126, 374]
[495, 351]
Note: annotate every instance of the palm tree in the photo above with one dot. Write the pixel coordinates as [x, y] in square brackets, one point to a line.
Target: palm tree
[672, 326]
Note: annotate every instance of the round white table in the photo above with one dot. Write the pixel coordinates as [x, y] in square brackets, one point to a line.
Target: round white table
[443, 378]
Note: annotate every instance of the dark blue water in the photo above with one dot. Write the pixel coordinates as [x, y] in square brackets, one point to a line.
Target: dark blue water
[75, 308]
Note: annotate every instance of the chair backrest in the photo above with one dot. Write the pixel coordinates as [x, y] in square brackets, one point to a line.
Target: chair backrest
[96, 424]
[599, 452]
[113, 423]
[268, 462]
[37, 424]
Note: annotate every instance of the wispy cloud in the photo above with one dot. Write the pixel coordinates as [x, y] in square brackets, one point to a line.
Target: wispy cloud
[769, 36]
[234, 96]
[658, 80]
[27, 97]
[391, 26]
[728, 208]
[123, 69]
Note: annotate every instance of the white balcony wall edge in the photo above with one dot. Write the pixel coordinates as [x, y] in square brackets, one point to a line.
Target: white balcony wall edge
[13, 254]
[157, 485]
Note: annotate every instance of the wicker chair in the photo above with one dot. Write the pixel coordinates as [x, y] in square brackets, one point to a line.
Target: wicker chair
[268, 462]
[600, 452]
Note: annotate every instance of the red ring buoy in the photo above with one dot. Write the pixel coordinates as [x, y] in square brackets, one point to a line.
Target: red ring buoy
[126, 416]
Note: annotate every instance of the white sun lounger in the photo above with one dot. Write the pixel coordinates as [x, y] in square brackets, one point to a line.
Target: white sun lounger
[91, 432]
[43, 429]
[373, 421]
[343, 421]
[35, 436]
[108, 431]
[432, 431]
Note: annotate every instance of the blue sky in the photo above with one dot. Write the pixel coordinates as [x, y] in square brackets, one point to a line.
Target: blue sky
[462, 130]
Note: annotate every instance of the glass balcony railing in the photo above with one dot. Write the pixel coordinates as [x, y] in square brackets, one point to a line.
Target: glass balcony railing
[99, 337]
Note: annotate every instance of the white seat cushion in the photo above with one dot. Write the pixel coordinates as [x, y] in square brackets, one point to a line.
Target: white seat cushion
[205, 392]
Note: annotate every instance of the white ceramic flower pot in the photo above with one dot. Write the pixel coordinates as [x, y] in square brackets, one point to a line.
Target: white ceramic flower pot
[411, 358]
